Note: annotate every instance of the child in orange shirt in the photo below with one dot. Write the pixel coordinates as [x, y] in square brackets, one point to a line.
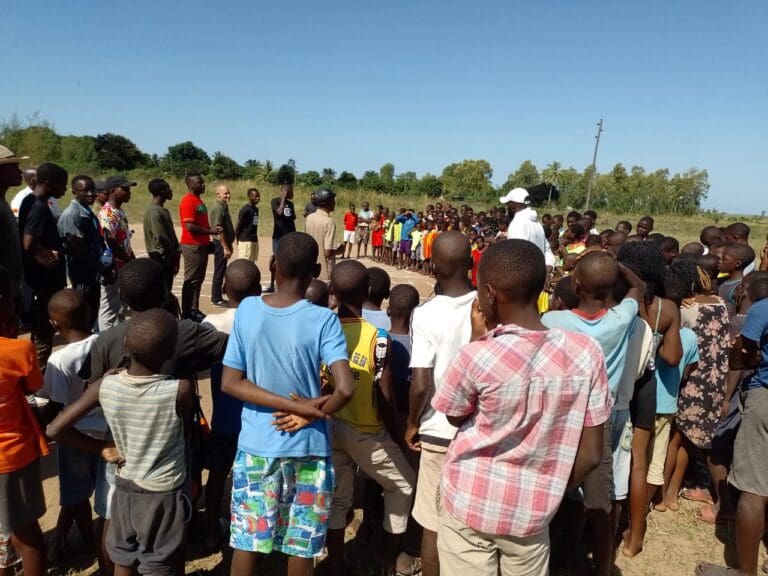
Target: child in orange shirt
[22, 443]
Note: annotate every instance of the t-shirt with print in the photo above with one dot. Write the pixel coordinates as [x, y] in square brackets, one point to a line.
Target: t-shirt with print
[21, 440]
[285, 222]
[756, 329]
[668, 378]
[63, 385]
[528, 395]
[281, 350]
[36, 219]
[247, 229]
[114, 225]
[439, 328]
[612, 328]
[192, 209]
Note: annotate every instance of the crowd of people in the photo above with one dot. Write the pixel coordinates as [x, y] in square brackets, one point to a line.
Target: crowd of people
[559, 383]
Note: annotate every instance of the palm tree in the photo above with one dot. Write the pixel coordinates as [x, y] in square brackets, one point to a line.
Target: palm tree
[329, 175]
[550, 174]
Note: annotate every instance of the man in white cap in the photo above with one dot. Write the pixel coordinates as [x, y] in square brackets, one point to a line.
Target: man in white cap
[524, 222]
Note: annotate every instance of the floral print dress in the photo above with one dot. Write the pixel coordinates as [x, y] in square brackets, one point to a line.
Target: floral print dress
[701, 399]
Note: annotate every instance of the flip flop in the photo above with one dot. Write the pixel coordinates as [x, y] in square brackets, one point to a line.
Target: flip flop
[715, 570]
[709, 514]
[696, 495]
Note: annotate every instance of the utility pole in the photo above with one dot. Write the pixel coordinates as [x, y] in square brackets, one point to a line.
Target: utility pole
[594, 161]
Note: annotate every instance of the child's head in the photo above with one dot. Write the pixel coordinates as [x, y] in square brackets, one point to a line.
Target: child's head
[349, 283]
[151, 338]
[317, 293]
[572, 218]
[693, 280]
[737, 232]
[756, 285]
[510, 277]
[480, 241]
[569, 262]
[351, 208]
[644, 226]
[693, 248]
[69, 310]
[595, 275]
[8, 325]
[402, 300]
[736, 257]
[452, 256]
[710, 234]
[160, 188]
[254, 196]
[625, 227]
[296, 259]
[378, 285]
[563, 297]
[594, 241]
[242, 279]
[646, 260]
[615, 241]
[657, 238]
[710, 264]
[141, 284]
[670, 248]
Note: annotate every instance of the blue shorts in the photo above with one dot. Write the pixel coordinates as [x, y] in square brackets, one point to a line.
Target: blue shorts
[405, 247]
[281, 504]
[82, 474]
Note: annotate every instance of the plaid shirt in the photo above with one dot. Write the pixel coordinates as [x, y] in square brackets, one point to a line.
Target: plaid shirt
[528, 395]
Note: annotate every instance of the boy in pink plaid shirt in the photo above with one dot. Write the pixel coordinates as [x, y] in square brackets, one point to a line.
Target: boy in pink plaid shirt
[531, 405]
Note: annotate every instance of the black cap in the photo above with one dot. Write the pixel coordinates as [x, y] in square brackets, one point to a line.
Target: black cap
[118, 181]
[99, 185]
[322, 196]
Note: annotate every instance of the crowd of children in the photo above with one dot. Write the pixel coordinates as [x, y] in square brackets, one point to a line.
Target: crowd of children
[544, 388]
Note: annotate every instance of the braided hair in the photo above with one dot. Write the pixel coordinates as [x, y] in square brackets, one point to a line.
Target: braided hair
[646, 260]
[693, 279]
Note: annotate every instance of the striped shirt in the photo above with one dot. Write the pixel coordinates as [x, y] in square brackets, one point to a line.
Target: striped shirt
[148, 433]
[528, 395]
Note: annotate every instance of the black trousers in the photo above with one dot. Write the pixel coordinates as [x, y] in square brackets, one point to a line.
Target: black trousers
[219, 268]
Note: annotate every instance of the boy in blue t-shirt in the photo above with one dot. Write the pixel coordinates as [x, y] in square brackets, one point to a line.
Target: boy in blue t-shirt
[282, 479]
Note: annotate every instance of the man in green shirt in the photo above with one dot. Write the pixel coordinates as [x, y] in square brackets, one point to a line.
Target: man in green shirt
[221, 246]
[159, 234]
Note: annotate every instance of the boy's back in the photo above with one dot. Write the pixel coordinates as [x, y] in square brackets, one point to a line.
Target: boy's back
[281, 350]
[531, 393]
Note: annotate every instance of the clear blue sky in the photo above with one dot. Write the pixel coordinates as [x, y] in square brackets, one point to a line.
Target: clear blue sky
[355, 84]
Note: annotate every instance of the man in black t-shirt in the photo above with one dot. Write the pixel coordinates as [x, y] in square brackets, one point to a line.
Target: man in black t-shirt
[247, 228]
[284, 216]
[43, 253]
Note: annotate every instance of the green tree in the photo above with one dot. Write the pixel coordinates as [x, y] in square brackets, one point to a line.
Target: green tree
[405, 183]
[78, 153]
[285, 175]
[371, 181]
[225, 168]
[468, 178]
[184, 158]
[347, 180]
[310, 178]
[430, 185]
[251, 169]
[387, 175]
[525, 176]
[328, 176]
[116, 152]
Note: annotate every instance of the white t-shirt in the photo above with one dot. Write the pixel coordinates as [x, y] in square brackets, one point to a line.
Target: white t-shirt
[62, 384]
[639, 354]
[378, 318]
[19, 198]
[525, 226]
[222, 322]
[439, 328]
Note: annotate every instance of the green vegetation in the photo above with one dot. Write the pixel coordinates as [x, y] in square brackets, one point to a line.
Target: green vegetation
[617, 191]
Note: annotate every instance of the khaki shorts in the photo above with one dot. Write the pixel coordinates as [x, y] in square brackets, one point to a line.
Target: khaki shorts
[659, 453]
[382, 460]
[464, 551]
[427, 506]
[248, 250]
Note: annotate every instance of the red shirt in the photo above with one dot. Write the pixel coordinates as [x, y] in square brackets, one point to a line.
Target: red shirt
[192, 209]
[476, 254]
[350, 222]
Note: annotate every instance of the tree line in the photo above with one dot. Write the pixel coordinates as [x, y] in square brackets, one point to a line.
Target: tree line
[620, 190]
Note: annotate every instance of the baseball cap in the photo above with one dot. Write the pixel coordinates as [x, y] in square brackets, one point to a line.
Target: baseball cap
[322, 196]
[516, 195]
[118, 181]
[8, 157]
[99, 185]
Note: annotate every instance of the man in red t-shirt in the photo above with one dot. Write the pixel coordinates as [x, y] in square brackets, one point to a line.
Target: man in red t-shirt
[195, 243]
[350, 225]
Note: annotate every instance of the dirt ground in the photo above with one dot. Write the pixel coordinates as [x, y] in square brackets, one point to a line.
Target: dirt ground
[676, 541]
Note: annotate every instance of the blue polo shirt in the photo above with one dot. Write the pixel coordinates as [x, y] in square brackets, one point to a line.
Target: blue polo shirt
[756, 329]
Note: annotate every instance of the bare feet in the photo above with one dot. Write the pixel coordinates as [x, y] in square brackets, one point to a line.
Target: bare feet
[630, 549]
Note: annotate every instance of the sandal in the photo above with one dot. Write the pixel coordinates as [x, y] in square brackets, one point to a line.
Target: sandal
[696, 495]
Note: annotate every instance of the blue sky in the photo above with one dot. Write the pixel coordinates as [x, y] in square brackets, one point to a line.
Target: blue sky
[353, 85]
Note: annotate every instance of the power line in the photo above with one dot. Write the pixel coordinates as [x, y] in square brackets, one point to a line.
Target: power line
[593, 175]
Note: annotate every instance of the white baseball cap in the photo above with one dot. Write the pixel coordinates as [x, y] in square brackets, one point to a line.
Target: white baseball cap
[517, 195]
